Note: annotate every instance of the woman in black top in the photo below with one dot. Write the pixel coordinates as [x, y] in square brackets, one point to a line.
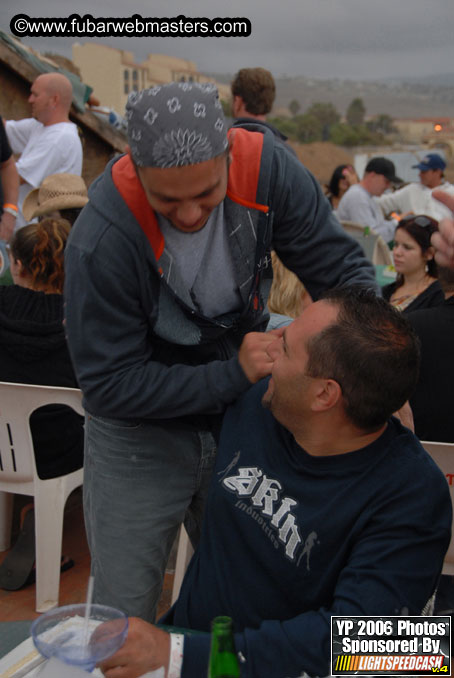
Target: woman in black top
[416, 285]
[33, 350]
[33, 347]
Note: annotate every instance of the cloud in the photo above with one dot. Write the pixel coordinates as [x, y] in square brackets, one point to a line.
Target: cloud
[319, 38]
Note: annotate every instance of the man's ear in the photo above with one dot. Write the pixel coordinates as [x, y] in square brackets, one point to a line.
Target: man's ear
[327, 395]
[237, 105]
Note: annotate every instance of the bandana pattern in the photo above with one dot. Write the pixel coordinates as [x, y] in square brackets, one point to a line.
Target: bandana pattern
[181, 147]
[175, 125]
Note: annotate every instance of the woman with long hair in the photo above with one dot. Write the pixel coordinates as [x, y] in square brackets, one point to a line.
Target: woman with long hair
[288, 297]
[33, 350]
[342, 178]
[416, 285]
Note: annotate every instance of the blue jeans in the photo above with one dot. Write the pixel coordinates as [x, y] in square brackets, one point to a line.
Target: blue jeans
[141, 481]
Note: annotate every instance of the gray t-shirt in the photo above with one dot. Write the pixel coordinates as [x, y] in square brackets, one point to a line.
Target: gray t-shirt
[204, 263]
[357, 205]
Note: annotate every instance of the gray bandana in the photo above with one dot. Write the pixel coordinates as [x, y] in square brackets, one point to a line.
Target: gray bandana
[176, 124]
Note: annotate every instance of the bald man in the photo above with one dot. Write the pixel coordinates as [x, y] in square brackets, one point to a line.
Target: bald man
[48, 142]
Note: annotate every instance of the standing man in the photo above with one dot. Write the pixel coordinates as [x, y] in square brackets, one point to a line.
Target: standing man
[416, 198]
[253, 94]
[358, 205]
[165, 315]
[48, 142]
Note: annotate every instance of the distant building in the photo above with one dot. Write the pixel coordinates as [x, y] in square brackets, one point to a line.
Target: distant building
[413, 130]
[113, 73]
[434, 133]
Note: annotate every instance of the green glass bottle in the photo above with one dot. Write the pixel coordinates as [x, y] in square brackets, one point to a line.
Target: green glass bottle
[223, 658]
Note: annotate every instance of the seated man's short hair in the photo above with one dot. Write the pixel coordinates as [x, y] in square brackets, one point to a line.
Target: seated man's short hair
[371, 351]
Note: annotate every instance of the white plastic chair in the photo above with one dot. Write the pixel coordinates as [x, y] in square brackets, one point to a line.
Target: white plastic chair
[374, 246]
[443, 456]
[184, 555]
[18, 475]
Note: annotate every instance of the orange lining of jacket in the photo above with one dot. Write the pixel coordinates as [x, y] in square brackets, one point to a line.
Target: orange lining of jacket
[242, 185]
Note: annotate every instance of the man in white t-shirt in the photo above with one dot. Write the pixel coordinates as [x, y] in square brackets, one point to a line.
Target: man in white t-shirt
[48, 142]
[416, 198]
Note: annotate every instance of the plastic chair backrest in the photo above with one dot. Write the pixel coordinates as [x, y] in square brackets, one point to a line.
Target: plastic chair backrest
[353, 227]
[374, 247]
[18, 475]
[443, 456]
[17, 402]
[382, 254]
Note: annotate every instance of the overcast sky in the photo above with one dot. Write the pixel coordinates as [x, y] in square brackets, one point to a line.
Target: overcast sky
[358, 39]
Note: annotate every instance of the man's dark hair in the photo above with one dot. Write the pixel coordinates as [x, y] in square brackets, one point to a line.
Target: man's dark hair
[257, 89]
[371, 351]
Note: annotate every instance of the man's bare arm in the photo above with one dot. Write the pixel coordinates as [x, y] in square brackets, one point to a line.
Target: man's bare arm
[10, 184]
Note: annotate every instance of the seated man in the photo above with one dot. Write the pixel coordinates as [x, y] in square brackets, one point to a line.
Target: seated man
[417, 197]
[358, 204]
[321, 504]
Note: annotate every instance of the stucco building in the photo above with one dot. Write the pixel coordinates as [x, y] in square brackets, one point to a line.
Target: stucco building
[113, 73]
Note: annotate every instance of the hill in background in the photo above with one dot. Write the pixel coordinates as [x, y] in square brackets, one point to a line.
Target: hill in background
[409, 98]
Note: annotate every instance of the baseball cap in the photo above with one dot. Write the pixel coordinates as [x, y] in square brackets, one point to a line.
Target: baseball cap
[431, 161]
[385, 167]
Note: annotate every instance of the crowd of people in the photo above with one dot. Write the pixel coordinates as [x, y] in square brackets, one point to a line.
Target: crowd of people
[272, 441]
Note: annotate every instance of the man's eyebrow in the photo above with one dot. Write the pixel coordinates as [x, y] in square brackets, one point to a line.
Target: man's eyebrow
[207, 191]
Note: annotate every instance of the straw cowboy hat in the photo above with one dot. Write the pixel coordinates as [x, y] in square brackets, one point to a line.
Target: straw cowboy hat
[57, 192]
